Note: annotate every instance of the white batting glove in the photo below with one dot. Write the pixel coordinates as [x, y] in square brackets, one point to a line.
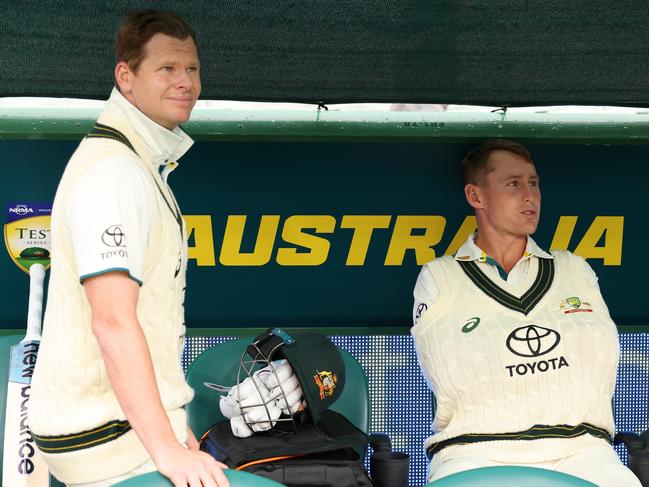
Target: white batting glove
[239, 427]
[229, 406]
[288, 392]
[258, 417]
[279, 373]
[257, 402]
[289, 385]
[292, 403]
[254, 396]
[242, 396]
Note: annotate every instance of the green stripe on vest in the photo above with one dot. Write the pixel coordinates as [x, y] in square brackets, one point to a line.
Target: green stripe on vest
[536, 432]
[85, 439]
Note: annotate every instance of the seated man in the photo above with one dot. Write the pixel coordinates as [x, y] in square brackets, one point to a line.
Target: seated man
[516, 343]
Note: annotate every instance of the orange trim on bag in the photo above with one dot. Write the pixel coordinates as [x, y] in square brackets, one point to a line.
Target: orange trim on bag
[266, 460]
[205, 435]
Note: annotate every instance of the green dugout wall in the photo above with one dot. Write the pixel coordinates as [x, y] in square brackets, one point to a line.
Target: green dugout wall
[323, 218]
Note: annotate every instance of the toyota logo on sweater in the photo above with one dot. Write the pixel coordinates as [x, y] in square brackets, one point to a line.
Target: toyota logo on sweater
[532, 341]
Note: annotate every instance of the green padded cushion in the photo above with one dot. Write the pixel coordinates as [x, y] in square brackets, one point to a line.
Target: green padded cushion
[237, 479]
[219, 364]
[354, 402]
[511, 477]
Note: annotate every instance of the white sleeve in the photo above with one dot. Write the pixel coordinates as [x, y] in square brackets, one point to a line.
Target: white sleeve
[109, 217]
[426, 293]
[591, 276]
[593, 282]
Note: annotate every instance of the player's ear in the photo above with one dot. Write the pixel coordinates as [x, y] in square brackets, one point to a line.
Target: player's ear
[123, 76]
[472, 194]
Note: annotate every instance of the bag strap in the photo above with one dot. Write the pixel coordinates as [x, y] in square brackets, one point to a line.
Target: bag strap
[263, 461]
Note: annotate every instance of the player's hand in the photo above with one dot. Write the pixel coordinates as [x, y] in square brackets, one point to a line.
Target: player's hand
[190, 468]
[192, 442]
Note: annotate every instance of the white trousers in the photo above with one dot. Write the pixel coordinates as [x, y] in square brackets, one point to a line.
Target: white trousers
[598, 464]
[142, 469]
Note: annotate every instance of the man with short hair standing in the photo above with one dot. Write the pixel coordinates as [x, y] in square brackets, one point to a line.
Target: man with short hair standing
[108, 390]
[516, 343]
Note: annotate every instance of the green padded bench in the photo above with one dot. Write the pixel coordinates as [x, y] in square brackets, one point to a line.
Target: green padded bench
[236, 478]
[510, 477]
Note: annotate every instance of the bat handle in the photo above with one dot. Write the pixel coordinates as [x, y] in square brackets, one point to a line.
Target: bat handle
[35, 309]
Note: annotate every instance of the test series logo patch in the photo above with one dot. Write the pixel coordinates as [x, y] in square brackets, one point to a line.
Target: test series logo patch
[27, 234]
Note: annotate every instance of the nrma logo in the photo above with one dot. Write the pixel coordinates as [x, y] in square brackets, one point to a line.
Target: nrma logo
[21, 210]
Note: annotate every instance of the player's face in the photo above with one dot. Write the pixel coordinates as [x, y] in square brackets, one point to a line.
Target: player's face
[167, 83]
[510, 195]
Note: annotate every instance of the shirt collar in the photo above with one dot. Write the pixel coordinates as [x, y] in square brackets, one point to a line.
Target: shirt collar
[470, 251]
[165, 146]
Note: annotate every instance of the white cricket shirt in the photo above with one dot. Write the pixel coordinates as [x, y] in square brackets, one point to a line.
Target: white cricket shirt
[111, 208]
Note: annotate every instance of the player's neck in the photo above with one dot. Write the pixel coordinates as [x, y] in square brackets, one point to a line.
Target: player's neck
[507, 250]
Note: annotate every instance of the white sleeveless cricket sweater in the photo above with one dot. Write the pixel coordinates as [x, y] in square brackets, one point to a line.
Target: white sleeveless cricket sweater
[518, 378]
[76, 420]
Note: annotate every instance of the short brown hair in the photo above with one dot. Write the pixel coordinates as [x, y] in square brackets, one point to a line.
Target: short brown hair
[139, 26]
[475, 164]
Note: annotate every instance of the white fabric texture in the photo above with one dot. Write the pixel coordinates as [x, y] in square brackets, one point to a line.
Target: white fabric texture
[161, 144]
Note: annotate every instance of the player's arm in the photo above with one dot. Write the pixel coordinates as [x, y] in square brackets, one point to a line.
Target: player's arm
[426, 293]
[113, 299]
[593, 282]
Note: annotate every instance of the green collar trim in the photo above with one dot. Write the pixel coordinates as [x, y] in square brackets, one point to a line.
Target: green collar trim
[527, 301]
[101, 131]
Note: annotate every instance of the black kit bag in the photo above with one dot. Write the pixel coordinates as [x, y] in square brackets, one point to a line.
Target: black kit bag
[316, 447]
[325, 455]
[330, 469]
